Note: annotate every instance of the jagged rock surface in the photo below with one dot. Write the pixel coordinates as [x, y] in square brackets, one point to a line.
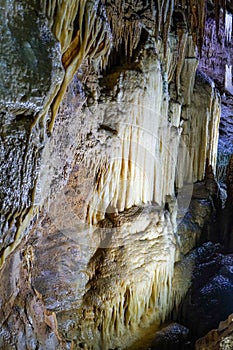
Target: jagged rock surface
[174, 336]
[217, 339]
[30, 71]
[209, 298]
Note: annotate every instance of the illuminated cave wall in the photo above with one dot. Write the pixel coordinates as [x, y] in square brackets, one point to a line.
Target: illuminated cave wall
[101, 126]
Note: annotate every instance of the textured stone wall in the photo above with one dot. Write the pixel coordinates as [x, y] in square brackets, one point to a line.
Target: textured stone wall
[220, 338]
[31, 71]
[105, 128]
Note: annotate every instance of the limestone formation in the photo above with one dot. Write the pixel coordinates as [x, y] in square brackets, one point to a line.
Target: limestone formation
[106, 124]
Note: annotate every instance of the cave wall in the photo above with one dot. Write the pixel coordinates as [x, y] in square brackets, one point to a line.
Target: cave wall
[105, 128]
[30, 72]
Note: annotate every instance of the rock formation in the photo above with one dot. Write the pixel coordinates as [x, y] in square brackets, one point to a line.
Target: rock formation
[106, 124]
[220, 338]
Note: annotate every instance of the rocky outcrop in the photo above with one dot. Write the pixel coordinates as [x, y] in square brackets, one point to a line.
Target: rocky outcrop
[174, 336]
[220, 338]
[209, 298]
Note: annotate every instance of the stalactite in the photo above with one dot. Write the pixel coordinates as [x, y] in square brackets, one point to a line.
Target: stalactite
[67, 20]
[205, 120]
[138, 295]
[183, 36]
[140, 172]
[228, 78]
[195, 12]
[201, 26]
[126, 30]
[158, 20]
[133, 175]
[83, 31]
[91, 39]
[228, 27]
[218, 5]
[167, 25]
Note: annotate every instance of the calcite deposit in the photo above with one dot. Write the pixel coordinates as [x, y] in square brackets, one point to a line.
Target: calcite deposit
[106, 124]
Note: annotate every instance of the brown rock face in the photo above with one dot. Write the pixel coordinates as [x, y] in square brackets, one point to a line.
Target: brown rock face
[220, 338]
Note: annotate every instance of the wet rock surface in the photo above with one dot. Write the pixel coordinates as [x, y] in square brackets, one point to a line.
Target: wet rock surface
[29, 57]
[209, 299]
[30, 71]
[196, 223]
[225, 146]
[172, 337]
